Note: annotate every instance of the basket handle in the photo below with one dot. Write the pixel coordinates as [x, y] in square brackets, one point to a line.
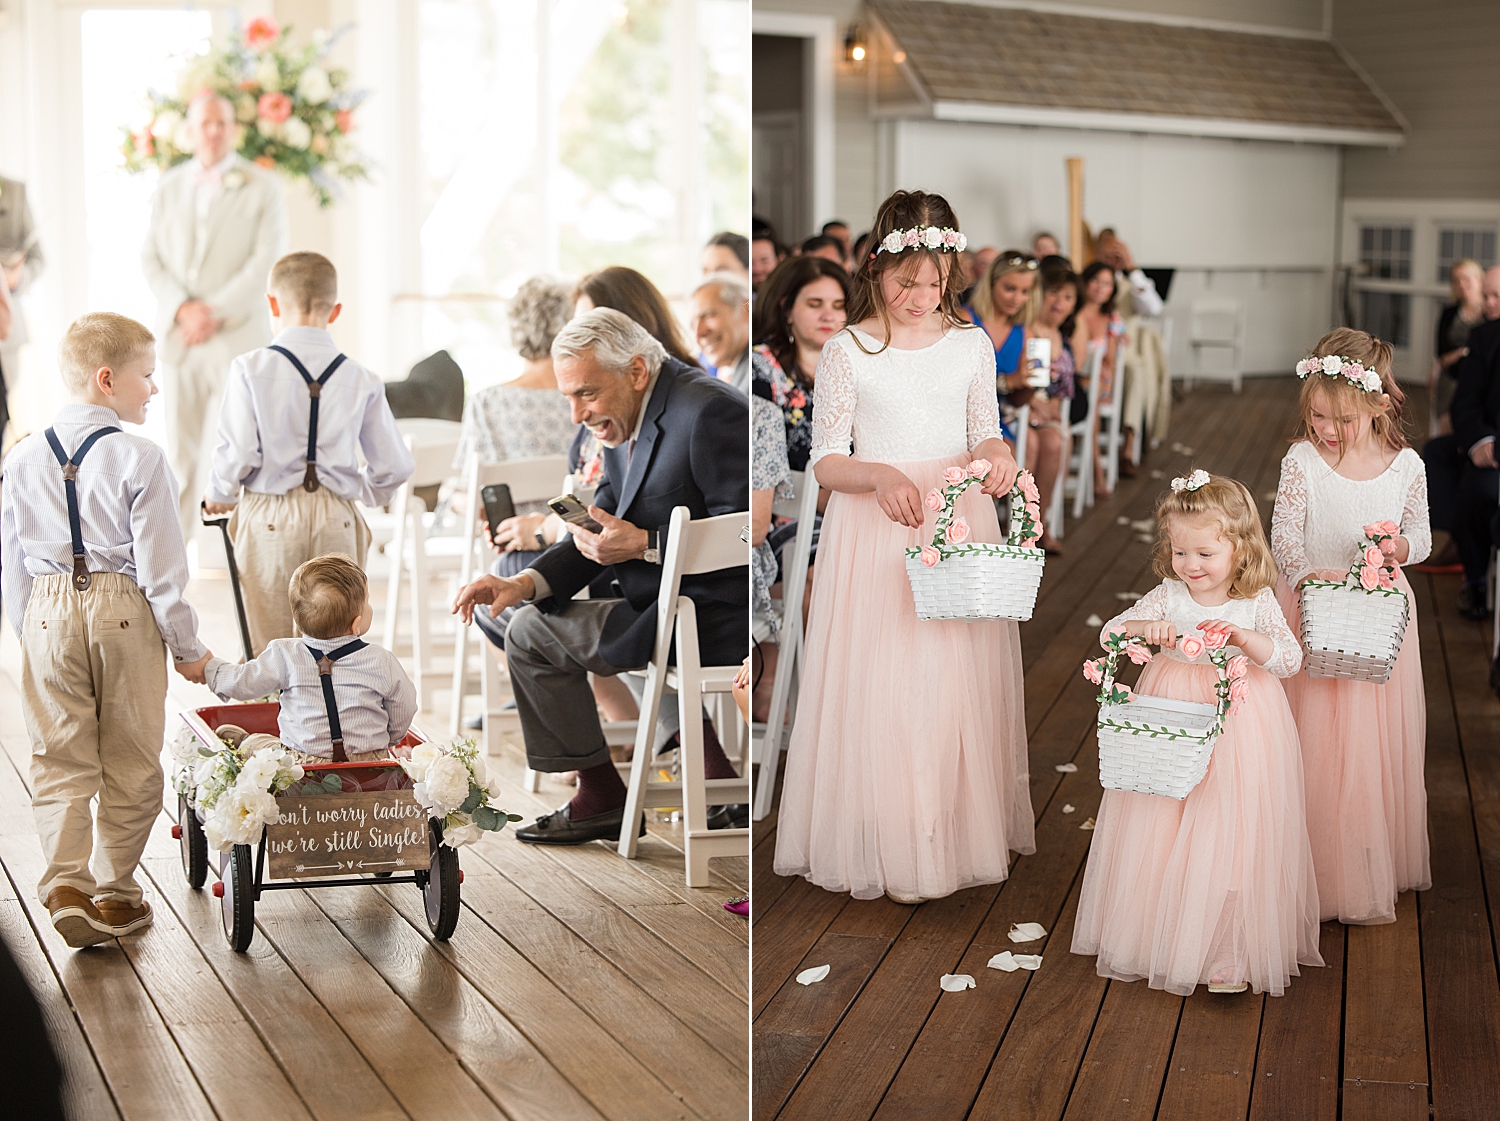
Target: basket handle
[1025, 511]
[1118, 642]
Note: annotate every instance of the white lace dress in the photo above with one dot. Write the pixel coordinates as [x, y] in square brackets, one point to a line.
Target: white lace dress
[1364, 746]
[907, 767]
[1217, 887]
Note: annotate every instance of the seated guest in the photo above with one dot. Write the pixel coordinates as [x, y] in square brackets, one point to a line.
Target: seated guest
[630, 292]
[672, 437]
[1045, 245]
[1137, 291]
[765, 255]
[727, 252]
[1099, 326]
[838, 229]
[1476, 422]
[1001, 304]
[821, 245]
[1466, 282]
[1053, 410]
[721, 322]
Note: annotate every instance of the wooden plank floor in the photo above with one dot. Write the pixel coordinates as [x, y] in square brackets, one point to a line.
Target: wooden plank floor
[1403, 1022]
[577, 986]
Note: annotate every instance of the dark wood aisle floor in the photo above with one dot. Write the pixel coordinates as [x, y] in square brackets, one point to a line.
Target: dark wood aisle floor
[1404, 1021]
[577, 986]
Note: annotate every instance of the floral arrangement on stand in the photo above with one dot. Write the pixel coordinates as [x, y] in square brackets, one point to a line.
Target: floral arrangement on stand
[235, 794]
[1230, 690]
[293, 112]
[450, 784]
[952, 532]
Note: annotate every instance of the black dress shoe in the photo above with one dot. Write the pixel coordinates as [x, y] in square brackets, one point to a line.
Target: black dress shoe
[559, 828]
[1471, 603]
[735, 816]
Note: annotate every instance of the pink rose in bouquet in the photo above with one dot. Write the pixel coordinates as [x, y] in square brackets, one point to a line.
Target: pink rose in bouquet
[1389, 527]
[1190, 646]
[1369, 578]
[1117, 629]
[958, 531]
[1216, 639]
[1386, 579]
[1028, 488]
[930, 556]
[1372, 530]
[934, 499]
[1238, 666]
[979, 468]
[1092, 671]
[1128, 695]
[1388, 547]
[1138, 653]
[954, 475]
[274, 107]
[1239, 689]
[261, 32]
[1028, 542]
[1374, 556]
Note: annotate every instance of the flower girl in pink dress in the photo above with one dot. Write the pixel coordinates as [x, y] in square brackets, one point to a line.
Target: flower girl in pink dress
[1217, 888]
[906, 769]
[1363, 745]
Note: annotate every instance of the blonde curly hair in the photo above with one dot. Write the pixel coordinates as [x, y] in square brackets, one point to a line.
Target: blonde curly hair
[1228, 503]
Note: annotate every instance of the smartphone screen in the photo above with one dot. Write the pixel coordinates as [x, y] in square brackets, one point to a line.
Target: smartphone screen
[570, 510]
[1038, 363]
[498, 506]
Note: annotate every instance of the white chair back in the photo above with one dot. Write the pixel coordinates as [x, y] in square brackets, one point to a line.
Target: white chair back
[1084, 437]
[1216, 327]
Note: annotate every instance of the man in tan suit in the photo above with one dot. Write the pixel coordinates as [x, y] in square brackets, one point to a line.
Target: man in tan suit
[20, 264]
[218, 223]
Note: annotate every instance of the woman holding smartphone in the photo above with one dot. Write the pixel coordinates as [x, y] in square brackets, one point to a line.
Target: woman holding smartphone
[1048, 354]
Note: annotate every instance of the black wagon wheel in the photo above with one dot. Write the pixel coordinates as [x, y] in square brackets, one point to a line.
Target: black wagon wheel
[440, 888]
[236, 890]
[192, 844]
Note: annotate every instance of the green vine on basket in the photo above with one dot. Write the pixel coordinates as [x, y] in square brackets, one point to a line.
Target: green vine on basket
[1229, 691]
[951, 535]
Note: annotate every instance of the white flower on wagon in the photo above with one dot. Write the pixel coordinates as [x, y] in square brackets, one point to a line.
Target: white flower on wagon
[451, 784]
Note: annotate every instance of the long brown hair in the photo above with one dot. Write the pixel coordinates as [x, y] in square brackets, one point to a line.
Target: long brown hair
[983, 298]
[773, 307]
[630, 292]
[906, 210]
[1230, 503]
[1346, 399]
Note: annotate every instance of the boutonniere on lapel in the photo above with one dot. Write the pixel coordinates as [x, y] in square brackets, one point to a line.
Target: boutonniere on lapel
[234, 178]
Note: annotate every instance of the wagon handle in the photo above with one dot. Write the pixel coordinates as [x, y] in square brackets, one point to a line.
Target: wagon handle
[222, 521]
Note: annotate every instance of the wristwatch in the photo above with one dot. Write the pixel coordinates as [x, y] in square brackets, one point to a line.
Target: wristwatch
[541, 542]
[652, 555]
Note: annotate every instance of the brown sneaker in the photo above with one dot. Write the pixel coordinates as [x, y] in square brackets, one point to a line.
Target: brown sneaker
[232, 734]
[123, 918]
[76, 918]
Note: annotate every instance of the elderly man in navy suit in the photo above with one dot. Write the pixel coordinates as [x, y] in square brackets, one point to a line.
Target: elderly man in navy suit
[673, 437]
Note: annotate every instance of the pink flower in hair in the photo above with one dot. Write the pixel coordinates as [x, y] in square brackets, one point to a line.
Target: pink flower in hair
[958, 531]
[1138, 653]
[950, 238]
[1238, 666]
[1216, 639]
[1369, 578]
[979, 468]
[1374, 556]
[1092, 671]
[930, 556]
[1028, 487]
[934, 499]
[1239, 689]
[954, 475]
[910, 237]
[1190, 646]
[1388, 547]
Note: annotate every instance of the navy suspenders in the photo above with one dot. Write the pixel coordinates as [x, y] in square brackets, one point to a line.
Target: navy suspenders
[69, 464]
[325, 676]
[314, 389]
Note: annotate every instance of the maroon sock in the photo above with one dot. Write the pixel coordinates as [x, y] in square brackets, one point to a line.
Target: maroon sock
[715, 763]
[599, 791]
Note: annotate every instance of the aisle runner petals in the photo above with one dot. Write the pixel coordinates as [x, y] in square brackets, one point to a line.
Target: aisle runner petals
[1026, 931]
[1093, 621]
[1087, 825]
[1065, 768]
[812, 976]
[1068, 808]
[956, 982]
[1010, 962]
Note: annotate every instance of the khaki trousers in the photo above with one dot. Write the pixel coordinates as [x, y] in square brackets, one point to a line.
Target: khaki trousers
[273, 534]
[255, 741]
[93, 692]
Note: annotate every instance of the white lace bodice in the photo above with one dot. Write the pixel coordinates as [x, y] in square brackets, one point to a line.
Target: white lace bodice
[1171, 601]
[905, 404]
[1320, 516]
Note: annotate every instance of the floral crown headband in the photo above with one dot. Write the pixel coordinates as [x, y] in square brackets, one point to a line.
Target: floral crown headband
[1197, 479]
[922, 237]
[1332, 366]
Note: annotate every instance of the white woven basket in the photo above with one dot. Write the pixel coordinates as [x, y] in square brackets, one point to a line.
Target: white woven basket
[1349, 632]
[973, 581]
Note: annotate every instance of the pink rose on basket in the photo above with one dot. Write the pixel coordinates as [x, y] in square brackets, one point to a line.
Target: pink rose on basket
[958, 531]
[1190, 646]
[1386, 579]
[954, 475]
[1374, 556]
[1034, 511]
[930, 556]
[1092, 671]
[1239, 689]
[1389, 527]
[275, 107]
[1388, 547]
[934, 499]
[1238, 666]
[1129, 696]
[1028, 488]
[1138, 653]
[1369, 578]
[1215, 639]
[979, 468]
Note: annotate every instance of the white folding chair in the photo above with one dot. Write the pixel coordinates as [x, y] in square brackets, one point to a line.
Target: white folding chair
[1084, 436]
[529, 480]
[1109, 418]
[767, 739]
[693, 547]
[1217, 325]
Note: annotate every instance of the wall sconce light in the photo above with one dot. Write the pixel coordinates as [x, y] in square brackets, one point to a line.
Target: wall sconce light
[854, 44]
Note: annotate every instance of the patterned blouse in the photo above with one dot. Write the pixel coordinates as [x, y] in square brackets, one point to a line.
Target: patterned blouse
[771, 382]
[506, 422]
[768, 471]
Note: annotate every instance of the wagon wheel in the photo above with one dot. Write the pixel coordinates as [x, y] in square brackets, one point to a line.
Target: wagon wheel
[236, 892]
[192, 844]
[440, 889]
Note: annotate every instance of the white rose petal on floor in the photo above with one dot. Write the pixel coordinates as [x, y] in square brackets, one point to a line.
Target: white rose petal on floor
[1088, 826]
[1009, 962]
[1068, 808]
[1065, 768]
[956, 982]
[1026, 931]
[812, 976]
[1093, 621]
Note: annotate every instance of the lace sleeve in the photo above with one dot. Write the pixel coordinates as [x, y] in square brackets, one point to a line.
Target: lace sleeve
[983, 405]
[1415, 526]
[1286, 653]
[833, 407]
[1152, 605]
[1289, 521]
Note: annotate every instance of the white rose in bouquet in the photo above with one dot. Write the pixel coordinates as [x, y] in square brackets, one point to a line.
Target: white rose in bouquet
[295, 132]
[314, 86]
[422, 756]
[455, 836]
[267, 75]
[259, 771]
[245, 109]
[447, 784]
[165, 125]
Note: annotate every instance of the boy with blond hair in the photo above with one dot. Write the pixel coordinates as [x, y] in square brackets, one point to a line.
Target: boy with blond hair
[297, 416]
[342, 699]
[94, 569]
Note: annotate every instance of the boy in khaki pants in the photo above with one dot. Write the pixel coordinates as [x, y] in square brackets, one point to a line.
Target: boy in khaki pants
[94, 567]
[297, 415]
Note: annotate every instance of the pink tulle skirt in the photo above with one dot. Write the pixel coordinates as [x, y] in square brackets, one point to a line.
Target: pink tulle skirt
[1363, 750]
[906, 768]
[1218, 887]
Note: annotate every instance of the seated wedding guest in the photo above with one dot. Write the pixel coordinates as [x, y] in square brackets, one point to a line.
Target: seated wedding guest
[1466, 281]
[838, 229]
[1099, 326]
[1137, 291]
[1045, 245]
[821, 245]
[727, 252]
[765, 255]
[630, 292]
[656, 417]
[983, 258]
[770, 479]
[721, 323]
[1001, 304]
[1476, 422]
[1056, 408]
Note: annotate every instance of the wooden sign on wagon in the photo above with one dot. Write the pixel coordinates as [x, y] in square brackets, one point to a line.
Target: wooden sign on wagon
[347, 835]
